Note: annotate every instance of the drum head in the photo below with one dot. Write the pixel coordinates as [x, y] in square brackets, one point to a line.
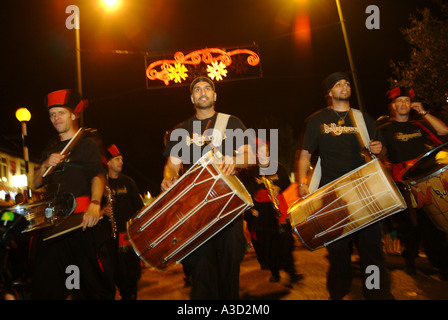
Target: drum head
[431, 163]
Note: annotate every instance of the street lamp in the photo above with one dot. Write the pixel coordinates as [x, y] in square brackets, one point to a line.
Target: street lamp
[23, 115]
[111, 4]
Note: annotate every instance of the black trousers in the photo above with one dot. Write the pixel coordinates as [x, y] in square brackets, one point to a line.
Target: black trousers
[86, 250]
[127, 273]
[215, 266]
[370, 247]
[419, 229]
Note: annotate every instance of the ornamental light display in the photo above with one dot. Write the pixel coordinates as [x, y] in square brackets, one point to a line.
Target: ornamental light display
[216, 63]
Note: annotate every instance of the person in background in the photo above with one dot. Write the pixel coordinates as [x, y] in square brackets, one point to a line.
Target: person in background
[406, 140]
[123, 203]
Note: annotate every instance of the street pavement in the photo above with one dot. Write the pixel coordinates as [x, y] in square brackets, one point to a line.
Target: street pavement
[255, 284]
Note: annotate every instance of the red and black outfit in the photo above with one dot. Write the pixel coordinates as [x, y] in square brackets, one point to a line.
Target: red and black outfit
[405, 143]
[271, 231]
[127, 202]
[86, 250]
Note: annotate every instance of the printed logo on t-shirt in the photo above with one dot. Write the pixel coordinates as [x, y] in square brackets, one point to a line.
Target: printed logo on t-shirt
[407, 136]
[200, 140]
[121, 190]
[338, 130]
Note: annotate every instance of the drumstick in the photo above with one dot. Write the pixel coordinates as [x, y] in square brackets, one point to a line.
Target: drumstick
[69, 145]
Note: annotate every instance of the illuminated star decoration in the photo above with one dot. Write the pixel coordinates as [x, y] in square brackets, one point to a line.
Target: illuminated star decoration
[216, 60]
[177, 73]
[217, 70]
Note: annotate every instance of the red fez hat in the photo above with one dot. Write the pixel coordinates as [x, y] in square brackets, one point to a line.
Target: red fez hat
[66, 98]
[399, 92]
[112, 152]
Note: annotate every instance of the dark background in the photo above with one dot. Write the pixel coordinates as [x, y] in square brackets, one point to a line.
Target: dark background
[38, 56]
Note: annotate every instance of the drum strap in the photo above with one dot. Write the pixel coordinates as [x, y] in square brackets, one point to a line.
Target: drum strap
[363, 136]
[429, 133]
[219, 129]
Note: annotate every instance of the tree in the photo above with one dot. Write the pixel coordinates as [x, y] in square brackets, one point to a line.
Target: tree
[427, 68]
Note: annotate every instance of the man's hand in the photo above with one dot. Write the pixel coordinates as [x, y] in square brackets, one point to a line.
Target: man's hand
[53, 160]
[91, 216]
[107, 211]
[168, 183]
[227, 165]
[376, 147]
[303, 190]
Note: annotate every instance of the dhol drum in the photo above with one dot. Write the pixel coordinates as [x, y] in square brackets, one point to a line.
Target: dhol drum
[428, 181]
[348, 204]
[49, 212]
[200, 204]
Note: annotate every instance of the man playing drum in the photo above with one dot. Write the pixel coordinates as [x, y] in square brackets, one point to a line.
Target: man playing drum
[331, 132]
[81, 173]
[406, 140]
[214, 267]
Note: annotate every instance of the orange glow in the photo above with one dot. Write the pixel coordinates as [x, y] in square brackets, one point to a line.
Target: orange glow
[111, 4]
[302, 29]
[206, 56]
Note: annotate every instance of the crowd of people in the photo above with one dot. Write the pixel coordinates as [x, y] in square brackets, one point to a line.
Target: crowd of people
[94, 237]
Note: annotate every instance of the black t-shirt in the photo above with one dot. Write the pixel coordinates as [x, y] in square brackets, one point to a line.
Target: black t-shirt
[190, 139]
[337, 145]
[404, 140]
[74, 175]
[127, 200]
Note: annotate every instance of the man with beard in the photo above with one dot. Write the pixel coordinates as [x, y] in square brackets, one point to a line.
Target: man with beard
[214, 267]
[331, 133]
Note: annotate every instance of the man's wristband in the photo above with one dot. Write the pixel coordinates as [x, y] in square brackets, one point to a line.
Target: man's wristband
[95, 202]
[423, 113]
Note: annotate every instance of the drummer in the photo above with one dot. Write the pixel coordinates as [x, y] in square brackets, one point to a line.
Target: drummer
[340, 153]
[406, 138]
[215, 266]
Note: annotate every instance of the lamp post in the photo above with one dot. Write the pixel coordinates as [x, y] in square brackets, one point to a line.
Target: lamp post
[109, 4]
[350, 58]
[78, 63]
[23, 115]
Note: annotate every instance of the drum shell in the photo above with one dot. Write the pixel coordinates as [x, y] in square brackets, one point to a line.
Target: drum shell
[346, 205]
[180, 220]
[428, 181]
[435, 192]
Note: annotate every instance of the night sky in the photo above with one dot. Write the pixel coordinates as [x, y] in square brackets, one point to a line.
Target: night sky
[38, 56]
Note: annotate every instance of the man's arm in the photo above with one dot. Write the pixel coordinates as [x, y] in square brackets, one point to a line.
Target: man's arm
[53, 160]
[439, 126]
[93, 213]
[171, 172]
[302, 167]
